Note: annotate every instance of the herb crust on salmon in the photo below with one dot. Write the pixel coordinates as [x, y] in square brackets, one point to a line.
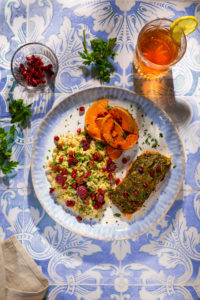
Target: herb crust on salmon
[142, 178]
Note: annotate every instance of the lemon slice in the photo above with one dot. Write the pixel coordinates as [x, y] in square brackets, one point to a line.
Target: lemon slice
[186, 24]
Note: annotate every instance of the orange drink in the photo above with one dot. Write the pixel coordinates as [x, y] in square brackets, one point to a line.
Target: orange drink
[156, 51]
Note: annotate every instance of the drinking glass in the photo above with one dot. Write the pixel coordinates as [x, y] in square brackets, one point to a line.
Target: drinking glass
[156, 52]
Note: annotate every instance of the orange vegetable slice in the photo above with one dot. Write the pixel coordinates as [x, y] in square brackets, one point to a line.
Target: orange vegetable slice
[95, 111]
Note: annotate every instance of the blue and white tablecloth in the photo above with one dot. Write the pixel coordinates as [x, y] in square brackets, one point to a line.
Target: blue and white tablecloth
[165, 262]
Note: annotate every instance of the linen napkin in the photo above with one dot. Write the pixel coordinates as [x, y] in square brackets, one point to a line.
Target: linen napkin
[20, 277]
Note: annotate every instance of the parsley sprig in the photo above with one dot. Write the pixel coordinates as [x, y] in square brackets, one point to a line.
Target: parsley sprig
[98, 58]
[19, 112]
[6, 141]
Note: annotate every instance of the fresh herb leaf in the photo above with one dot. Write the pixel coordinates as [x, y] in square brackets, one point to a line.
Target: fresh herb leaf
[19, 112]
[117, 215]
[161, 134]
[99, 146]
[6, 140]
[98, 58]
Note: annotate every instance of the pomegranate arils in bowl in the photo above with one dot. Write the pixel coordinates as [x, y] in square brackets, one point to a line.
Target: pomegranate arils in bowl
[34, 65]
[34, 72]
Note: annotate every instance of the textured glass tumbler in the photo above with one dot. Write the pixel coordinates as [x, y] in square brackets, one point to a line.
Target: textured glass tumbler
[156, 52]
[39, 50]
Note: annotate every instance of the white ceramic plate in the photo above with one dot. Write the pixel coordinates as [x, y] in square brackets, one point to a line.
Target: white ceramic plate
[150, 119]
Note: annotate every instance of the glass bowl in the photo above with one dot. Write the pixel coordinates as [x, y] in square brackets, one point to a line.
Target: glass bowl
[34, 66]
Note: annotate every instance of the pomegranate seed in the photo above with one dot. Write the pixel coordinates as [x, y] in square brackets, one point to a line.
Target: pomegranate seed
[71, 153]
[82, 191]
[125, 195]
[109, 161]
[96, 156]
[96, 206]
[64, 172]
[133, 203]
[79, 218]
[158, 169]
[60, 179]
[73, 175]
[100, 191]
[99, 204]
[60, 159]
[152, 173]
[72, 161]
[93, 197]
[100, 199]
[103, 169]
[140, 169]
[81, 108]
[21, 66]
[110, 176]
[124, 160]
[117, 181]
[70, 203]
[88, 174]
[56, 138]
[78, 130]
[136, 192]
[51, 191]
[111, 167]
[145, 185]
[74, 185]
[85, 144]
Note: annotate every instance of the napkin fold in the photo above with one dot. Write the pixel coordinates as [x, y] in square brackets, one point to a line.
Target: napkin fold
[20, 277]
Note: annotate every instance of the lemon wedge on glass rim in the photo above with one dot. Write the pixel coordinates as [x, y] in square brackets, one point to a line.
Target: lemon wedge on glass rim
[186, 24]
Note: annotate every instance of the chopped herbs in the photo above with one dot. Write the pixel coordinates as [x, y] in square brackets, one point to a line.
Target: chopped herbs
[99, 146]
[117, 215]
[161, 134]
[174, 166]
[155, 143]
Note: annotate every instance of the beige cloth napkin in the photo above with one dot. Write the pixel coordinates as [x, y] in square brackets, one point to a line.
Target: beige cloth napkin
[20, 277]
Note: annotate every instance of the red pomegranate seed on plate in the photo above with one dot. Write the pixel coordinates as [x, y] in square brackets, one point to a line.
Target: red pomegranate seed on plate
[124, 160]
[158, 169]
[81, 108]
[51, 191]
[125, 195]
[110, 176]
[60, 159]
[56, 138]
[117, 181]
[140, 169]
[64, 172]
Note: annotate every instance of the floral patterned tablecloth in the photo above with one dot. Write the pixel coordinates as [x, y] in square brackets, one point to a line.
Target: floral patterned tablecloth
[165, 262]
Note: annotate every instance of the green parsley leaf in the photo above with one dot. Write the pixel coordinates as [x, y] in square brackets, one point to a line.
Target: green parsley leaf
[98, 58]
[6, 140]
[19, 112]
